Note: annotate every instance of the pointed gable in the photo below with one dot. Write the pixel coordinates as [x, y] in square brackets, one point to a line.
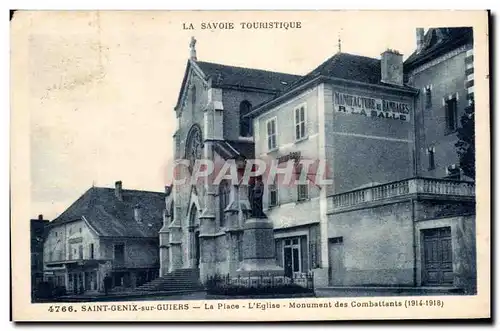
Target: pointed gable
[190, 65]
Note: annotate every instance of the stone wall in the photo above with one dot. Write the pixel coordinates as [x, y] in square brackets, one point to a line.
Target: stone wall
[377, 244]
[139, 253]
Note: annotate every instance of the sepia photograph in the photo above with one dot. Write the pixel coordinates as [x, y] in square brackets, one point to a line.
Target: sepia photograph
[249, 164]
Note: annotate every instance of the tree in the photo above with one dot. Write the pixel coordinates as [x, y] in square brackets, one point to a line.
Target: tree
[466, 145]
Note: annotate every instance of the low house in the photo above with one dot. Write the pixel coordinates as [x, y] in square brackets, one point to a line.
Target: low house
[106, 231]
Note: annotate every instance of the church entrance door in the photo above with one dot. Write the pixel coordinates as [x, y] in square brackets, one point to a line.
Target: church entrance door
[197, 249]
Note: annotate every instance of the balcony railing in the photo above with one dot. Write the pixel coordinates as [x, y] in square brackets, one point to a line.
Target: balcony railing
[431, 186]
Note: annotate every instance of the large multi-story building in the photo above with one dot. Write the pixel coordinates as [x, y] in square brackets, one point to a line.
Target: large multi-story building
[442, 69]
[107, 231]
[385, 218]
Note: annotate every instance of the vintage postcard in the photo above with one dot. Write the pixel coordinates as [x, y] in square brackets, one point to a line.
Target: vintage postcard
[250, 166]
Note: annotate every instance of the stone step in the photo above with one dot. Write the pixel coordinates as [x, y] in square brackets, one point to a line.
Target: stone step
[180, 279]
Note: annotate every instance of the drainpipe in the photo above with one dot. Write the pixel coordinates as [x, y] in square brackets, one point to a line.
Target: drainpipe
[412, 200]
[416, 134]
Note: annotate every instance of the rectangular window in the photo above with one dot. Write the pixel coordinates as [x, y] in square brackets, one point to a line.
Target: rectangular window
[430, 154]
[273, 194]
[292, 256]
[119, 253]
[91, 251]
[271, 134]
[80, 252]
[300, 122]
[451, 115]
[302, 186]
[302, 192]
[428, 97]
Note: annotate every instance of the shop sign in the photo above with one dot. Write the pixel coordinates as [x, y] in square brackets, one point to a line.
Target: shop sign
[371, 107]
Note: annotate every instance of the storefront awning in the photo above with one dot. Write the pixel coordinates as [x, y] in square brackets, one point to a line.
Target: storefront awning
[75, 263]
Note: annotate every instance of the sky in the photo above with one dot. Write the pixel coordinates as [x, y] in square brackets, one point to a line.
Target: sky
[103, 85]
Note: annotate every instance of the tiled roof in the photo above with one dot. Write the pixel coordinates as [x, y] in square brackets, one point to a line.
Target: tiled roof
[225, 75]
[438, 41]
[235, 149]
[111, 217]
[347, 66]
[344, 66]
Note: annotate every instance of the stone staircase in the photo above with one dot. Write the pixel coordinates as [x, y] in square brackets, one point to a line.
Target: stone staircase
[178, 280]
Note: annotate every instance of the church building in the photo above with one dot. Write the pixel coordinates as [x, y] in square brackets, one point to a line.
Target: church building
[397, 209]
[203, 226]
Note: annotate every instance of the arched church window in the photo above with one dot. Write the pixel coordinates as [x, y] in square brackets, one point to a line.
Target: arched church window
[194, 145]
[245, 122]
[224, 192]
[193, 99]
[192, 217]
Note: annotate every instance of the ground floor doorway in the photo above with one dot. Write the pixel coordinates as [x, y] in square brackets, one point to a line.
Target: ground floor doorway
[291, 256]
[437, 266]
[82, 281]
[336, 266]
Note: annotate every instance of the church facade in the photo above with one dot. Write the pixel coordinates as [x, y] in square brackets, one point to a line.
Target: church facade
[383, 218]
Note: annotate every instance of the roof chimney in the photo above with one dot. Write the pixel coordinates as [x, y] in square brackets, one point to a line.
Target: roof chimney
[118, 190]
[192, 47]
[40, 217]
[168, 190]
[391, 66]
[420, 39]
[138, 213]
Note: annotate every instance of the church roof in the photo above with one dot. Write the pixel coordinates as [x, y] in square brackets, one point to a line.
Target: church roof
[226, 76]
[438, 41]
[110, 217]
[232, 76]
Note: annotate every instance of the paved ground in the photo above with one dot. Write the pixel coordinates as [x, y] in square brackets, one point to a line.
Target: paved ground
[335, 293]
[201, 295]
[180, 296]
[133, 296]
